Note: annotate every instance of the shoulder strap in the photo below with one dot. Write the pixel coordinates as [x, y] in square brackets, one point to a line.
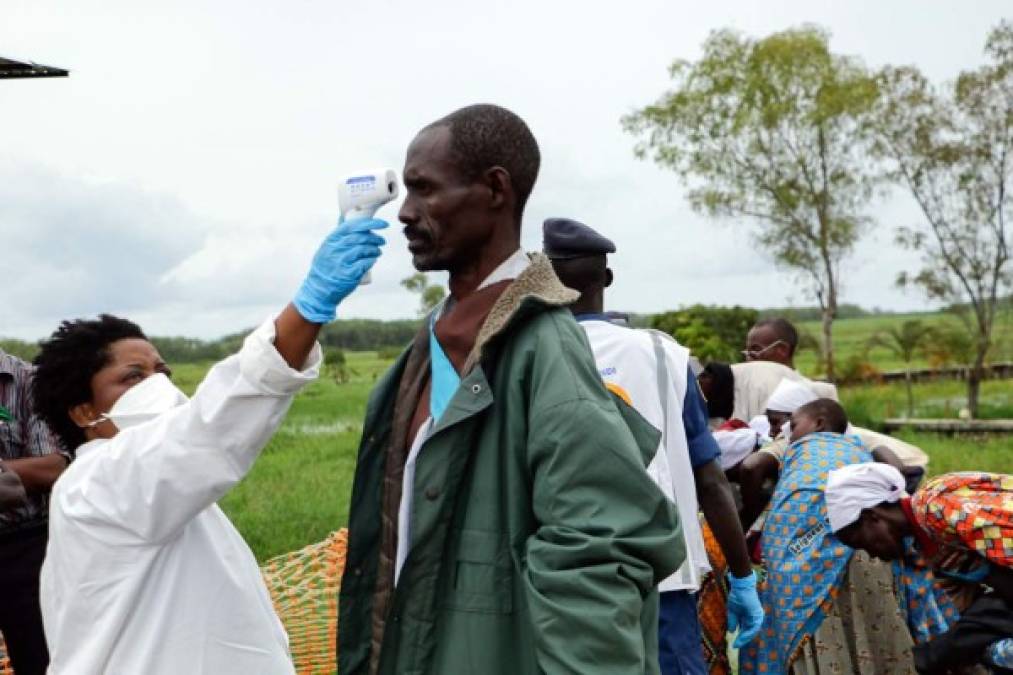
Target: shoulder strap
[663, 383]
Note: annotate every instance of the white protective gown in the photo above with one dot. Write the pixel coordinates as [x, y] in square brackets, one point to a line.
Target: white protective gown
[144, 574]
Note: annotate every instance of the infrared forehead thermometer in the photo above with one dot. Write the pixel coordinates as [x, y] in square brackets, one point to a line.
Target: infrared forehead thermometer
[360, 195]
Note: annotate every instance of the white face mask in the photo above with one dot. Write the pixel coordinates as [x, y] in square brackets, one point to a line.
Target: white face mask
[143, 402]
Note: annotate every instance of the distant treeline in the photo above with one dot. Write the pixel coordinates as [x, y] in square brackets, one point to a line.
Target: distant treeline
[712, 332]
[844, 311]
[847, 311]
[347, 334]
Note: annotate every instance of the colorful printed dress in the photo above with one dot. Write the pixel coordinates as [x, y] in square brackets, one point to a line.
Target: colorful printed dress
[827, 608]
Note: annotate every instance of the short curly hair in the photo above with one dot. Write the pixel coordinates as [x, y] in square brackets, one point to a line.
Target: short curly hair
[485, 135]
[65, 365]
[831, 411]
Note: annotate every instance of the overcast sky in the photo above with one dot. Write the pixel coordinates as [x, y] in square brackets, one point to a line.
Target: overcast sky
[185, 171]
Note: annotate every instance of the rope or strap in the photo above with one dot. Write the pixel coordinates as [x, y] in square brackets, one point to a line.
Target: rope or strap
[663, 384]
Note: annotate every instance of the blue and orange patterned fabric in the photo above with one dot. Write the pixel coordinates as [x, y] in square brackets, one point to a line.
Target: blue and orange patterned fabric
[972, 511]
[804, 560]
[928, 609]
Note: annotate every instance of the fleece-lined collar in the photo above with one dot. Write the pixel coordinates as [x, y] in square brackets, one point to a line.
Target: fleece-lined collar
[536, 289]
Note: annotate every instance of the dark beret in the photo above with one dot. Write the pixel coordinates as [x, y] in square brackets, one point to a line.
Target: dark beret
[564, 238]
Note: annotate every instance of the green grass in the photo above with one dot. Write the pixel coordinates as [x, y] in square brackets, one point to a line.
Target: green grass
[299, 489]
[963, 453]
[852, 335]
[869, 405]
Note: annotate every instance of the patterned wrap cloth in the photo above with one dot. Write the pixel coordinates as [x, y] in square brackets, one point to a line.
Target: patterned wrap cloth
[806, 563]
[971, 511]
[712, 608]
[927, 607]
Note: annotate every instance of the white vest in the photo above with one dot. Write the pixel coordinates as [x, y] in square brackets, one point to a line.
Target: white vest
[628, 365]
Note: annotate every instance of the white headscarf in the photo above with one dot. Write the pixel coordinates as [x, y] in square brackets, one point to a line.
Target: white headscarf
[856, 487]
[790, 396]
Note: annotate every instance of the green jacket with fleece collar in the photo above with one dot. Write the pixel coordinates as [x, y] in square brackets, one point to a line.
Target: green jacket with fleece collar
[537, 536]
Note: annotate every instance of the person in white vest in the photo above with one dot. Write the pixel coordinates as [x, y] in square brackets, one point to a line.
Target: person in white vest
[144, 574]
[650, 371]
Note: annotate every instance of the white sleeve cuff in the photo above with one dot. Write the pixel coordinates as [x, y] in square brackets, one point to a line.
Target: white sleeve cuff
[261, 363]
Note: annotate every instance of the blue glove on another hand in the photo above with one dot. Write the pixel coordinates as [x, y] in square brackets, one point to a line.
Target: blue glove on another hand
[338, 266]
[744, 609]
[972, 576]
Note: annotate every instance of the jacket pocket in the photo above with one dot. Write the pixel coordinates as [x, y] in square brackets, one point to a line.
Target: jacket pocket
[482, 576]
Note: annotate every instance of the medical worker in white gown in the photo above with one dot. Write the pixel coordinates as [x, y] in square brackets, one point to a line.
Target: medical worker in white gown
[144, 574]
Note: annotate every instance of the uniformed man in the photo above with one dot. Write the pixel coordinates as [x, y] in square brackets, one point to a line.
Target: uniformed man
[652, 374]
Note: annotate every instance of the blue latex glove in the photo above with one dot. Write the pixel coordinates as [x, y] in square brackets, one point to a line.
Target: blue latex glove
[744, 609]
[973, 576]
[342, 260]
[1000, 654]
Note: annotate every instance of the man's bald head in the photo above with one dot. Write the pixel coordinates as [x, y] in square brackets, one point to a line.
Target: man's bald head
[774, 339]
[483, 136]
[467, 177]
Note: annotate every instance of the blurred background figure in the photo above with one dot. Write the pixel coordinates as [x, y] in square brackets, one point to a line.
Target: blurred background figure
[31, 461]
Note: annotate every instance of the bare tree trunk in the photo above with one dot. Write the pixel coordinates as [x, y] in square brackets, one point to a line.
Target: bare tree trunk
[830, 306]
[910, 392]
[828, 342]
[974, 378]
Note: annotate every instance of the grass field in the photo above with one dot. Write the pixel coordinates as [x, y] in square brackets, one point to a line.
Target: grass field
[869, 405]
[299, 489]
[852, 335]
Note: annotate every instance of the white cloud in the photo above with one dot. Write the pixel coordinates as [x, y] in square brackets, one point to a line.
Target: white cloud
[73, 247]
[191, 156]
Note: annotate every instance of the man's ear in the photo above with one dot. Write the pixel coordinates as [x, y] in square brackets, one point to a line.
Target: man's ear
[501, 188]
[82, 414]
[608, 277]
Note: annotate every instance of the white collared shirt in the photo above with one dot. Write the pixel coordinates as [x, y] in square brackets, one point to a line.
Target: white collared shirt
[511, 268]
[144, 573]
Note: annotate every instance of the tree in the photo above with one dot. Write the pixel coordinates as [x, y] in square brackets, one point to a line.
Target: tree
[773, 131]
[430, 295]
[905, 342]
[26, 351]
[951, 148]
[336, 364]
[711, 333]
[950, 344]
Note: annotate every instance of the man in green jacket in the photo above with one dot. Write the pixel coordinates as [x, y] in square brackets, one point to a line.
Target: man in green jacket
[501, 518]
